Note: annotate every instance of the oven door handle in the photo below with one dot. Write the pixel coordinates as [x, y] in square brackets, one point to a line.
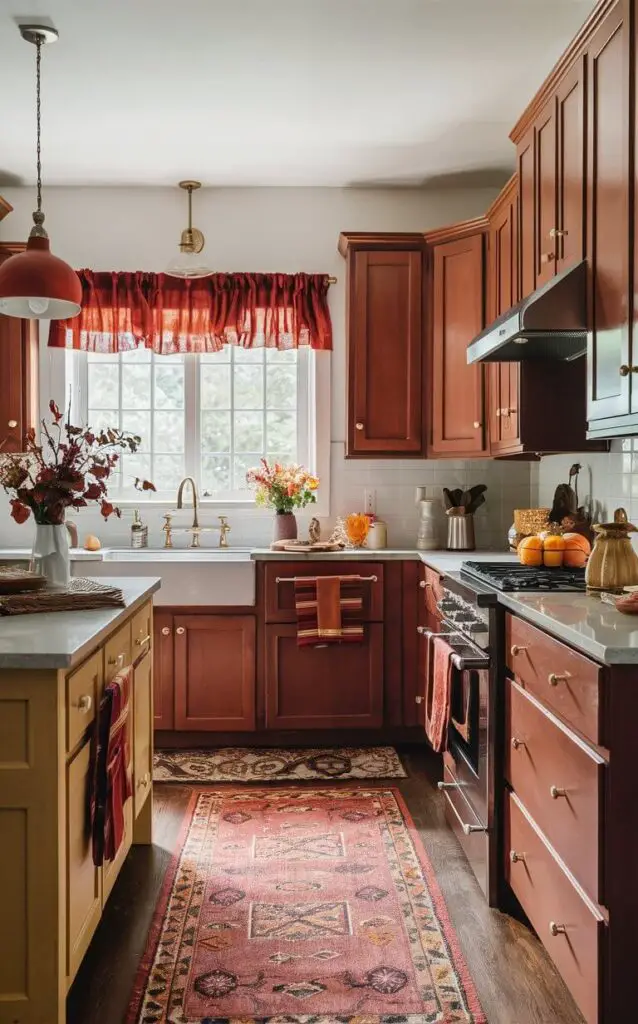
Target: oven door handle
[478, 661]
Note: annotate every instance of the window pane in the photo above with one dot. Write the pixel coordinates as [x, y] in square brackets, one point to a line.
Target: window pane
[279, 356]
[102, 419]
[249, 387]
[281, 429]
[281, 387]
[241, 465]
[168, 432]
[104, 385]
[249, 432]
[216, 431]
[215, 386]
[215, 473]
[223, 356]
[169, 385]
[137, 355]
[136, 386]
[138, 423]
[168, 472]
[134, 466]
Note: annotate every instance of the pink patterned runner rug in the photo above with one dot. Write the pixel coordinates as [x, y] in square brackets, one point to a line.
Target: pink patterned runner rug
[302, 906]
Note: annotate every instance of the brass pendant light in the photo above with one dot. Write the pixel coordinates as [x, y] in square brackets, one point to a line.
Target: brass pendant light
[35, 283]
[190, 263]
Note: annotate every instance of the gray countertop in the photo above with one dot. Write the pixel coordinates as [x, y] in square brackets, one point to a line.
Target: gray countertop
[53, 640]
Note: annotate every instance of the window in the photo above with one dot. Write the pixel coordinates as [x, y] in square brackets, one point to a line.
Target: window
[210, 416]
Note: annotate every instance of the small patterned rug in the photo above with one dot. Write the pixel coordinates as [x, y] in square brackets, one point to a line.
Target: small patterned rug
[304, 906]
[249, 764]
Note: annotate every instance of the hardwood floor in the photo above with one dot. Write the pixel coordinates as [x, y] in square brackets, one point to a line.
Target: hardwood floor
[516, 981]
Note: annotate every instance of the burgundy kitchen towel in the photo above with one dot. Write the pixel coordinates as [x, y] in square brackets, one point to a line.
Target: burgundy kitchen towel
[438, 692]
[111, 784]
[328, 611]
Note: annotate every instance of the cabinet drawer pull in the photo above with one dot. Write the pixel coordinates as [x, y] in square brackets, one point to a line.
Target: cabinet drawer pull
[516, 857]
[424, 583]
[554, 678]
[558, 233]
[516, 743]
[359, 426]
[498, 413]
[548, 257]
[557, 929]
[626, 370]
[144, 781]
[117, 661]
[555, 792]
[477, 424]
[517, 649]
[12, 424]
[166, 630]
[84, 704]
[418, 700]
[180, 630]
[144, 640]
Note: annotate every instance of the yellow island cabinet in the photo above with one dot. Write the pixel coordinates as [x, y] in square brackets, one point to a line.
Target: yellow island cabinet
[53, 669]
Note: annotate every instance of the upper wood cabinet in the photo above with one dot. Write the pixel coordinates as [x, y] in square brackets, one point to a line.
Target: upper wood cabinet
[5, 208]
[456, 257]
[18, 372]
[385, 403]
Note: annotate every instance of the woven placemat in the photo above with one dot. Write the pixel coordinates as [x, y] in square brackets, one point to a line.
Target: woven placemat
[80, 595]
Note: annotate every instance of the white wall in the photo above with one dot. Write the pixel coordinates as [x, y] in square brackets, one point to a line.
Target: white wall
[275, 229]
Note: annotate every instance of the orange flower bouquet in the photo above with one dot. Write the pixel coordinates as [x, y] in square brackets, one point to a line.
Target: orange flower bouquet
[284, 488]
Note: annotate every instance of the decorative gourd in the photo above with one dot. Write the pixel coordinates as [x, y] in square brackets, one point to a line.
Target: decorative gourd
[577, 550]
[553, 550]
[530, 551]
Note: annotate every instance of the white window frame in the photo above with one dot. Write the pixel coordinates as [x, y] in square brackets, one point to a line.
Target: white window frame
[63, 378]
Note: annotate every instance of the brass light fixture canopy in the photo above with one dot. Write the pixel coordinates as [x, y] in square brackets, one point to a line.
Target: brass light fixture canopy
[188, 263]
[35, 283]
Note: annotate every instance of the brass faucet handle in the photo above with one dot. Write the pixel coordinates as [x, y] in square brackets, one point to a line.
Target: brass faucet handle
[168, 529]
[224, 530]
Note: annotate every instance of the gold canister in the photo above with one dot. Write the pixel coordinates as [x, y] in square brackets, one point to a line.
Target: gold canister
[613, 563]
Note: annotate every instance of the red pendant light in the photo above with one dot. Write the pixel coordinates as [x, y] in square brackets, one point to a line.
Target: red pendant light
[35, 283]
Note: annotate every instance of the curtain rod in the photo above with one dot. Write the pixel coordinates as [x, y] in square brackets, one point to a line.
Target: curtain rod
[332, 280]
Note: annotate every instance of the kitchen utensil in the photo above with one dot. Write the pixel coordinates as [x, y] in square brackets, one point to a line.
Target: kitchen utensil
[476, 496]
[460, 531]
[457, 495]
[613, 563]
[427, 537]
[447, 498]
[474, 504]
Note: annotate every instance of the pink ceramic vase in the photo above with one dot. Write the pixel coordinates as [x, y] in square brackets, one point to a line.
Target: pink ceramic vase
[285, 526]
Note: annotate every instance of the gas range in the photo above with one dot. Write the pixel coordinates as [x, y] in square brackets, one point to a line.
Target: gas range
[509, 576]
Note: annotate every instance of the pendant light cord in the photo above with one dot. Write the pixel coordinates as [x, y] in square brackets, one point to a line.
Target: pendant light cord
[38, 113]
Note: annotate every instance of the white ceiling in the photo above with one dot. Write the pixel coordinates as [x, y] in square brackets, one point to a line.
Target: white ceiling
[276, 92]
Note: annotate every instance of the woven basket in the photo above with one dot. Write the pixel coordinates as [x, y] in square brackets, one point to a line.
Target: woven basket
[530, 520]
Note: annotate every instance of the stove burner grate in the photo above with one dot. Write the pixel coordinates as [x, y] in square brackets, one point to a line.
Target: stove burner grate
[507, 577]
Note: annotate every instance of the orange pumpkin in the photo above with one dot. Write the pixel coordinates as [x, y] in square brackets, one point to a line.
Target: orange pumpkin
[530, 551]
[577, 550]
[553, 550]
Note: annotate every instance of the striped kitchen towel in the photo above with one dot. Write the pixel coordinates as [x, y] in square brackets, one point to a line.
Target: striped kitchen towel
[328, 611]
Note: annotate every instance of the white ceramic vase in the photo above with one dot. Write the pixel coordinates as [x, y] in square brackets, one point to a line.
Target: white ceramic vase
[50, 555]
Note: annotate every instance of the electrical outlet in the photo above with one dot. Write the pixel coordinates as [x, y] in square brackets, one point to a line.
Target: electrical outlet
[370, 501]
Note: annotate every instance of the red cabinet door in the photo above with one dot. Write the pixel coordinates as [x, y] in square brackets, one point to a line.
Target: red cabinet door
[163, 671]
[546, 206]
[215, 672]
[608, 235]
[385, 345]
[526, 216]
[570, 233]
[458, 392]
[335, 687]
[18, 373]
[502, 275]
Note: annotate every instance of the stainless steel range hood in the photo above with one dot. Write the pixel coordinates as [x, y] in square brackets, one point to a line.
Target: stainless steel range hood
[550, 324]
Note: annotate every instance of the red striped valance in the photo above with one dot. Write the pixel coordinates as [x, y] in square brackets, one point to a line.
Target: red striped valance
[121, 310]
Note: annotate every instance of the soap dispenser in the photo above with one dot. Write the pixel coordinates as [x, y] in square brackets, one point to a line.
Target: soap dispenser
[139, 532]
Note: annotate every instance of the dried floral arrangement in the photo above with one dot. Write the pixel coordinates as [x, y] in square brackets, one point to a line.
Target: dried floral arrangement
[69, 468]
[283, 488]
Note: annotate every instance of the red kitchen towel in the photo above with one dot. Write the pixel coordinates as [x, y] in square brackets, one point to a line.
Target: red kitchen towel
[328, 611]
[439, 692]
[111, 772]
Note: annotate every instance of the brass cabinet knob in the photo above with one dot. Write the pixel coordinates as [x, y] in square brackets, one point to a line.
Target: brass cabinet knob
[84, 704]
[166, 630]
[424, 583]
[555, 792]
[558, 233]
[554, 678]
[557, 929]
[516, 743]
[548, 257]
[418, 700]
[516, 857]
[359, 426]
[517, 649]
[144, 781]
[624, 370]
[141, 640]
[180, 630]
[498, 413]
[477, 424]
[12, 424]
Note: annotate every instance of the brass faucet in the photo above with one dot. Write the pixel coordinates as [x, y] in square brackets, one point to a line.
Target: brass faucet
[189, 480]
[195, 528]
